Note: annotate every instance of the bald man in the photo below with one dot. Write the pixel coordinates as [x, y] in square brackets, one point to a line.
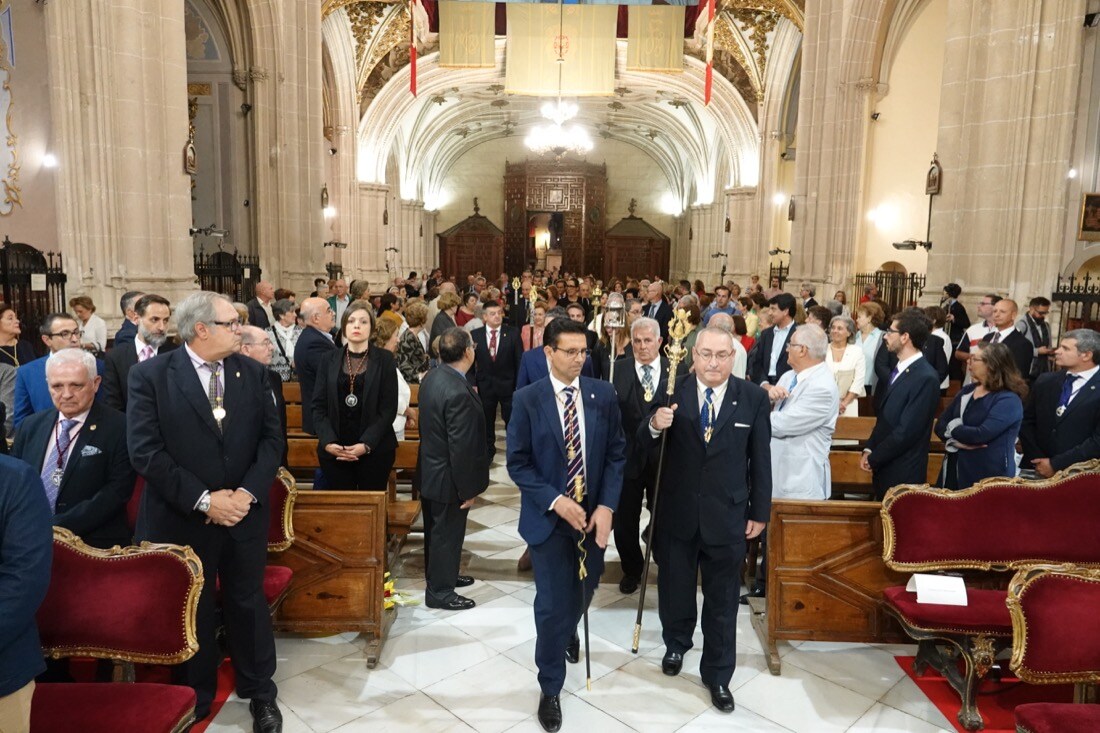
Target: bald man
[724, 321]
[1003, 318]
[315, 341]
[259, 308]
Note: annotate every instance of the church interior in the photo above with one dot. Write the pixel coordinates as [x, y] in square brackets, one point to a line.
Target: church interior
[828, 146]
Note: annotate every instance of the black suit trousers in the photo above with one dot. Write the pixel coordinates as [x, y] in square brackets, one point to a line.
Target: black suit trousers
[681, 562]
[370, 473]
[628, 519]
[239, 566]
[444, 531]
[492, 397]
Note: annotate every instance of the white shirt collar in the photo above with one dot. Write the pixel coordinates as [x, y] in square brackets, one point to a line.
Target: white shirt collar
[719, 393]
[198, 361]
[906, 363]
[559, 385]
[1006, 331]
[80, 419]
[1087, 375]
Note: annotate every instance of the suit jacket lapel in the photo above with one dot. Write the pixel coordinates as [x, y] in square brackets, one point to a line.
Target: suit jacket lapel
[40, 445]
[86, 433]
[232, 379]
[186, 381]
[897, 381]
[591, 420]
[690, 396]
[550, 412]
[729, 406]
[1085, 394]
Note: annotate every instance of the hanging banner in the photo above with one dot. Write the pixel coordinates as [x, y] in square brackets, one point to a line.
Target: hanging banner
[466, 34]
[655, 38]
[583, 35]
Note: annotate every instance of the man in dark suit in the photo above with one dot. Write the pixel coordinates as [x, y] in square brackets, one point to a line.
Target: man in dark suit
[313, 344]
[498, 351]
[1004, 320]
[715, 493]
[639, 381]
[570, 489]
[203, 431]
[768, 360]
[451, 465]
[897, 451]
[128, 329]
[577, 313]
[886, 360]
[26, 539]
[153, 313]
[259, 308]
[1062, 417]
[807, 293]
[257, 346]
[656, 307]
[79, 448]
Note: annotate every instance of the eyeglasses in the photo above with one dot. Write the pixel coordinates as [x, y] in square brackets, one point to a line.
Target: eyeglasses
[892, 330]
[67, 334]
[794, 345]
[708, 356]
[234, 325]
[573, 353]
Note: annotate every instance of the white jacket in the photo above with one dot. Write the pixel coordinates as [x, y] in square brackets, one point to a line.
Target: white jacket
[802, 432]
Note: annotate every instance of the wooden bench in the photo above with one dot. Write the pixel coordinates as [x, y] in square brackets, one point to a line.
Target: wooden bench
[849, 478]
[858, 429]
[996, 525]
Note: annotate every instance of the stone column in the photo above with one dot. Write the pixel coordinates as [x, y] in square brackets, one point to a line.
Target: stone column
[366, 257]
[708, 237]
[118, 92]
[1007, 118]
[747, 251]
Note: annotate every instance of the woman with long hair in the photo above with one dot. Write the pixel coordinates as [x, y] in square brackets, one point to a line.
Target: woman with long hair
[601, 353]
[354, 405]
[982, 423]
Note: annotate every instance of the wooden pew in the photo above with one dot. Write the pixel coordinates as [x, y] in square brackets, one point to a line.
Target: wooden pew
[849, 478]
[292, 393]
[293, 419]
[339, 559]
[859, 429]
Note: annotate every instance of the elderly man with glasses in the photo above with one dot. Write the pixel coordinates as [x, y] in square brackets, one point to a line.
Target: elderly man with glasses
[32, 394]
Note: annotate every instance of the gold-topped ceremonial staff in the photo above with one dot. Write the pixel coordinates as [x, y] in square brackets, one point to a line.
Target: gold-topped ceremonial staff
[578, 493]
[678, 330]
[515, 290]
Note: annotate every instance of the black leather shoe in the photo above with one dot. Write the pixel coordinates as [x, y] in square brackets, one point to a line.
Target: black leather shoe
[672, 663]
[454, 603]
[722, 698]
[628, 584]
[573, 651]
[550, 713]
[464, 581]
[266, 717]
[757, 593]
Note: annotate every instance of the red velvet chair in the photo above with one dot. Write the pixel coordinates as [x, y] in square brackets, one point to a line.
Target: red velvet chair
[134, 604]
[996, 525]
[1057, 641]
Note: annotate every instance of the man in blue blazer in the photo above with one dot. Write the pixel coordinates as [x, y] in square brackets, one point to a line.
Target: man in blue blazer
[565, 434]
[897, 451]
[59, 331]
[1062, 418]
[26, 549]
[312, 346]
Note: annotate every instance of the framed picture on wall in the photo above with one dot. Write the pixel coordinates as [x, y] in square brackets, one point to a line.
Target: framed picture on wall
[1090, 217]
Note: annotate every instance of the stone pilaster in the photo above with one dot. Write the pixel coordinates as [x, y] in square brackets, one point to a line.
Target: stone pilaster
[366, 257]
[118, 90]
[707, 223]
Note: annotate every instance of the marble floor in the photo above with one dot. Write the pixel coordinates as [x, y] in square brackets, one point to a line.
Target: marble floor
[474, 670]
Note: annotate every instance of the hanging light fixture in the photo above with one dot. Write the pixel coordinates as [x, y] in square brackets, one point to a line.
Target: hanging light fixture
[556, 136]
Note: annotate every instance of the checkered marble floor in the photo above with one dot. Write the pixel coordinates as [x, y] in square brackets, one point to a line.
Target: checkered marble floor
[474, 670]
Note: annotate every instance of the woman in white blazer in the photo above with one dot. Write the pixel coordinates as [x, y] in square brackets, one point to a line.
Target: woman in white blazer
[847, 363]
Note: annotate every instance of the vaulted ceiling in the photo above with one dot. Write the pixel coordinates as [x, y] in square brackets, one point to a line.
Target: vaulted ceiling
[700, 149]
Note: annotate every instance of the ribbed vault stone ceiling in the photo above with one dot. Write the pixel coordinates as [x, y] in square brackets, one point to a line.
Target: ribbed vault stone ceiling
[700, 150]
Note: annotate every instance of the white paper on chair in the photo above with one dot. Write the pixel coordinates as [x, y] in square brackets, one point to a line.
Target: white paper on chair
[945, 590]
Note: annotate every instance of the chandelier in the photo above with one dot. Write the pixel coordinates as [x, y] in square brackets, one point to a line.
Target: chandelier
[555, 136]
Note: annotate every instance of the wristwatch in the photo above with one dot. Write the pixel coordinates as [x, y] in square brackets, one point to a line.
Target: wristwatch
[204, 504]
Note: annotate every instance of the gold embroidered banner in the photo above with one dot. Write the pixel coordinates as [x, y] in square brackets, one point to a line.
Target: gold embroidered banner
[466, 33]
[585, 36]
[655, 39]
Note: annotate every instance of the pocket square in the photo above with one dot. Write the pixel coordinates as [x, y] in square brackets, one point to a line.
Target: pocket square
[90, 450]
[741, 425]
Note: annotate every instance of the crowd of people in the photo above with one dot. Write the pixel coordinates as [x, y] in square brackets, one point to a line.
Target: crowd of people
[587, 408]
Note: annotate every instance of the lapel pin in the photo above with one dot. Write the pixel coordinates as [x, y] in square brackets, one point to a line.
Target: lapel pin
[91, 427]
[238, 375]
[592, 396]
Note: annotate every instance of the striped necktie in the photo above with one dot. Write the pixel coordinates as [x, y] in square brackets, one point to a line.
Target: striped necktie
[574, 473]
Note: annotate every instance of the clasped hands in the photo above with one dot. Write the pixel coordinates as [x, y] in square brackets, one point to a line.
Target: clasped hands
[575, 516]
[228, 506]
[346, 452]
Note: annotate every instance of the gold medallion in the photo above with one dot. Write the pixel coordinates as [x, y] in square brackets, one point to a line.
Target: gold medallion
[707, 434]
[578, 487]
[219, 413]
[571, 454]
[648, 394]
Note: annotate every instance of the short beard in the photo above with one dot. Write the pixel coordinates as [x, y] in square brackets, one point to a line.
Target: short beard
[156, 340]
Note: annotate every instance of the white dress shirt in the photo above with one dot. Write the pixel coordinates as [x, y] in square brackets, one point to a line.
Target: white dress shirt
[1082, 379]
[905, 364]
[140, 345]
[779, 341]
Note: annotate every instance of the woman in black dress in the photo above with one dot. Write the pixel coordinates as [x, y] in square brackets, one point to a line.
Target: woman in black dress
[354, 405]
[13, 351]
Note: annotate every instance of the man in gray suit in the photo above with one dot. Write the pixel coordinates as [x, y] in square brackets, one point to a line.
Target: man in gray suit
[453, 466]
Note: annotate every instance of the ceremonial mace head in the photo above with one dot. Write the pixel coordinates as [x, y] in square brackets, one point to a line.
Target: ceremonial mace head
[678, 329]
[614, 315]
[515, 283]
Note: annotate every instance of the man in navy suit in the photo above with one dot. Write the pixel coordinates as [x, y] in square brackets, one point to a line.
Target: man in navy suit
[203, 430]
[714, 494]
[313, 344]
[128, 329]
[768, 360]
[79, 448]
[26, 548]
[657, 308]
[897, 451]
[153, 313]
[565, 438]
[1062, 418]
[59, 331]
[498, 351]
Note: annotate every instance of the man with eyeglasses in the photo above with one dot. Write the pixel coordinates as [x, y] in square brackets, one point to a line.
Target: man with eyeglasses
[203, 430]
[714, 494]
[32, 393]
[1035, 329]
[256, 345]
[976, 332]
[566, 455]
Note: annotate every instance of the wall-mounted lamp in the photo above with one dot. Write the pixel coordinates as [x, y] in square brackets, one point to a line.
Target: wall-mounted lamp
[335, 245]
[778, 251]
[210, 231]
[912, 244]
[246, 108]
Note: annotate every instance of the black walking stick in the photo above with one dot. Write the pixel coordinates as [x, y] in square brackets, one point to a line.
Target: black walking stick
[675, 351]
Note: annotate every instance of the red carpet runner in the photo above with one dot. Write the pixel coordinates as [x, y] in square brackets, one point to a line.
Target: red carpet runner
[996, 700]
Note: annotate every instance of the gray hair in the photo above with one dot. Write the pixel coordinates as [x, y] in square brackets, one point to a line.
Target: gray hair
[197, 308]
[835, 307]
[65, 357]
[557, 312]
[688, 299]
[812, 336]
[1087, 340]
[808, 288]
[722, 322]
[282, 306]
[253, 335]
[715, 331]
[848, 324]
[645, 323]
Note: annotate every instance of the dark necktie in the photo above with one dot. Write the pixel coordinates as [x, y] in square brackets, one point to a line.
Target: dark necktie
[996, 338]
[1067, 392]
[706, 415]
[893, 376]
[790, 392]
[647, 381]
[493, 345]
[54, 468]
[574, 473]
[214, 392]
